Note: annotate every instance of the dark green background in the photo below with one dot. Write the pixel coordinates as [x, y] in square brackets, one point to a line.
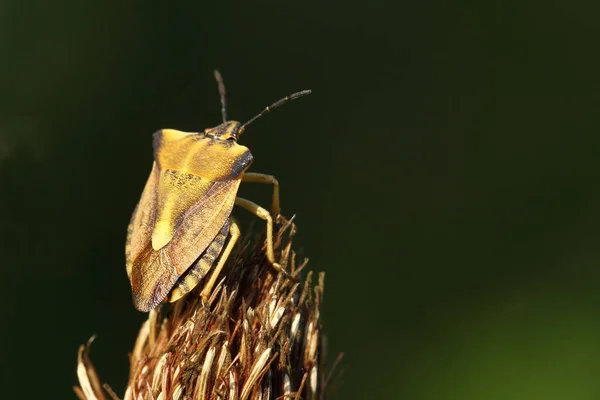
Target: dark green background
[445, 174]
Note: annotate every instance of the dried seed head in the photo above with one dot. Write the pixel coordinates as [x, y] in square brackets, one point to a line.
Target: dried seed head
[258, 338]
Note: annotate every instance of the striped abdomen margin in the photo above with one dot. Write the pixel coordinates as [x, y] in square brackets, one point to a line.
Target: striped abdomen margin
[200, 268]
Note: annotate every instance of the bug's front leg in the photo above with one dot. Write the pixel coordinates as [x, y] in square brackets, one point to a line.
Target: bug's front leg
[268, 179]
[262, 213]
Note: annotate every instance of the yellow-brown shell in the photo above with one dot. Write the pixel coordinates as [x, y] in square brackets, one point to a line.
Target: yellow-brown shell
[187, 200]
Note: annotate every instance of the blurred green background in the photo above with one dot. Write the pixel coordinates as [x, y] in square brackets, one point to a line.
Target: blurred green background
[444, 173]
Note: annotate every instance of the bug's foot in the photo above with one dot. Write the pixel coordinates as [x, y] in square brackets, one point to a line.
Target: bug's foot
[278, 218]
[281, 270]
[204, 302]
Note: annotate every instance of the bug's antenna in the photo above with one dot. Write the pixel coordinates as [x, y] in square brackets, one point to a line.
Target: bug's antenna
[221, 86]
[278, 103]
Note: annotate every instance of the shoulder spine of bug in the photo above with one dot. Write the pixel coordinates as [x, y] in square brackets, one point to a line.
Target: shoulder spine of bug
[179, 227]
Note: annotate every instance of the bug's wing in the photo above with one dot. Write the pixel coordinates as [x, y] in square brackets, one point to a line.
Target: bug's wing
[141, 224]
[193, 228]
[152, 276]
[187, 215]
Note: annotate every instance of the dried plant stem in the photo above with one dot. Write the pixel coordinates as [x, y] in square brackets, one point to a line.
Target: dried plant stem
[259, 337]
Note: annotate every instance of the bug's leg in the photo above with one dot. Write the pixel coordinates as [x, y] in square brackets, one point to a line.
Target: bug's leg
[264, 214]
[234, 231]
[268, 179]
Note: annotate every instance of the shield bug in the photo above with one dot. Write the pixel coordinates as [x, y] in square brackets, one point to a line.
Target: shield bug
[179, 228]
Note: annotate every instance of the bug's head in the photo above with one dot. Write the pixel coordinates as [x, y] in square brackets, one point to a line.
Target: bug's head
[228, 130]
[231, 130]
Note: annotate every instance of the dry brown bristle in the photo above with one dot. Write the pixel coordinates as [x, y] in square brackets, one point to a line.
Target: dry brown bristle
[259, 337]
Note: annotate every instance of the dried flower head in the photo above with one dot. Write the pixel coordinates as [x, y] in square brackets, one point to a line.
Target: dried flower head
[259, 337]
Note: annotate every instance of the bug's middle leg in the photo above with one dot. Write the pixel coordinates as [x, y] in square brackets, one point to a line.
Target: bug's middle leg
[234, 231]
[268, 179]
[262, 213]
